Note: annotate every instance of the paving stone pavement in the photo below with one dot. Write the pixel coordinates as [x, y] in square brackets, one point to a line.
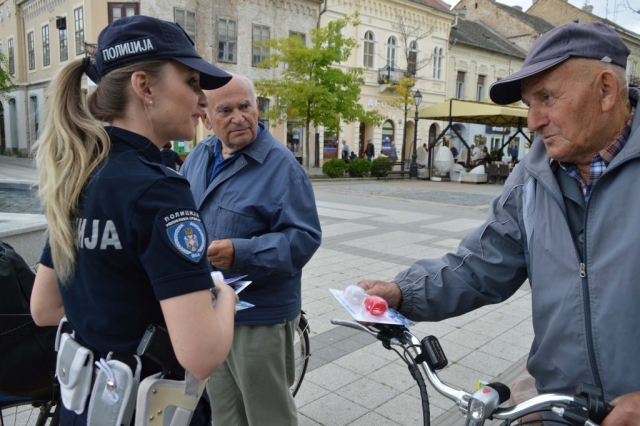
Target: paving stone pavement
[374, 229]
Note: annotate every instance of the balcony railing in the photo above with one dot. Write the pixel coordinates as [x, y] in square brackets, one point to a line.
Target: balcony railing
[390, 75]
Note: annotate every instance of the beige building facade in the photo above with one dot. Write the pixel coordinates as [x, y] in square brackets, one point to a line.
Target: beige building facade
[386, 46]
[478, 57]
[37, 38]
[40, 36]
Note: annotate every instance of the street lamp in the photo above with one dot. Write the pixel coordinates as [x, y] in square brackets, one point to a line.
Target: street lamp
[413, 170]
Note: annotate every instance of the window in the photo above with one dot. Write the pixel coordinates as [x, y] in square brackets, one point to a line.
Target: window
[64, 45]
[369, 50]
[392, 52]
[437, 63]
[303, 36]
[227, 40]
[260, 36]
[460, 85]
[78, 18]
[263, 109]
[31, 52]
[46, 51]
[412, 59]
[12, 57]
[187, 20]
[122, 10]
[480, 89]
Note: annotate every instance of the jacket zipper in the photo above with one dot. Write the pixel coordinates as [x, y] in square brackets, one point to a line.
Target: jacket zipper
[585, 295]
[588, 330]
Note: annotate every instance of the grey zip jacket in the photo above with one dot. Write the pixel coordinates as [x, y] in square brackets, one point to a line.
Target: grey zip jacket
[586, 314]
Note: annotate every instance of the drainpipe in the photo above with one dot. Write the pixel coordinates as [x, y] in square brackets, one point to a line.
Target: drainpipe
[316, 162]
[321, 12]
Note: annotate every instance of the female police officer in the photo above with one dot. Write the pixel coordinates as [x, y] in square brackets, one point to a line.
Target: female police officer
[126, 243]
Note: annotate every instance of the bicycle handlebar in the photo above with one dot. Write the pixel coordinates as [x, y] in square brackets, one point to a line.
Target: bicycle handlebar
[575, 408]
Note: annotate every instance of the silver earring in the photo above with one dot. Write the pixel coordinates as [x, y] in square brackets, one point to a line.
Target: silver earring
[150, 102]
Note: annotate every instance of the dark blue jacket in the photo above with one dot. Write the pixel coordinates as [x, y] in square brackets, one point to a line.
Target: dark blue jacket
[264, 202]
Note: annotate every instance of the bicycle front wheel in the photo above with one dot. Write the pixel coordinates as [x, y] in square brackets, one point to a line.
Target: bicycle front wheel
[301, 349]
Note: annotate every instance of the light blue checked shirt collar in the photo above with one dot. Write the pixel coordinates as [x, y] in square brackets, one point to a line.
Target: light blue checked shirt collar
[600, 161]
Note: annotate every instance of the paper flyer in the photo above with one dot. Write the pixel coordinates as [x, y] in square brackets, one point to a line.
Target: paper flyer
[359, 313]
[236, 285]
[243, 305]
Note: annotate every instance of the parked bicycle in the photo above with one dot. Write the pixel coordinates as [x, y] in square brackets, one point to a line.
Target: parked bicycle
[302, 351]
[27, 364]
[585, 408]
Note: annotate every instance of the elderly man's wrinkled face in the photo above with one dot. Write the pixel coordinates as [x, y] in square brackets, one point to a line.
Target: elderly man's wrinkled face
[564, 109]
[234, 114]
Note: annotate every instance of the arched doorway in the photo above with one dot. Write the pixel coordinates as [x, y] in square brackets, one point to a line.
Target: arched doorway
[433, 134]
[408, 142]
[12, 140]
[388, 134]
[34, 120]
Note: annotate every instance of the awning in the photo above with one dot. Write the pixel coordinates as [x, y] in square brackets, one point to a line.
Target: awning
[476, 112]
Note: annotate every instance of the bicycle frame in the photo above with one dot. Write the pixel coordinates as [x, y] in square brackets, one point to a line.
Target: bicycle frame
[483, 404]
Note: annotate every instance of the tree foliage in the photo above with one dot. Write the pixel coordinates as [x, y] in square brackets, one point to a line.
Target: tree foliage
[312, 88]
[402, 99]
[6, 84]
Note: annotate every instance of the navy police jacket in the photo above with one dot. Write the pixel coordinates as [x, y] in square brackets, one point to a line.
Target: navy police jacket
[140, 240]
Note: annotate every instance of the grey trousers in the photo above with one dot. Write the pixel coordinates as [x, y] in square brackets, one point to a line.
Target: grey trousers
[251, 387]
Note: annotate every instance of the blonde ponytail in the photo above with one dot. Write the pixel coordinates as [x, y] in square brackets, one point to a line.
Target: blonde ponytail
[72, 145]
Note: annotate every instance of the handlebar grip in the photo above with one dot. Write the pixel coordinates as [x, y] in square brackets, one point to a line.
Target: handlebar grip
[595, 403]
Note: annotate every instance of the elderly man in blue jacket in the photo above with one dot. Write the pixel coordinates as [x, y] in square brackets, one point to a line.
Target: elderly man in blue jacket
[259, 209]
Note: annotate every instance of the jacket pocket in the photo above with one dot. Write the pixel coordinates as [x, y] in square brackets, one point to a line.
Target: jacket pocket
[231, 223]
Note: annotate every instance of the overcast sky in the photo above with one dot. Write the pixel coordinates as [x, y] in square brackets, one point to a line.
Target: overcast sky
[618, 10]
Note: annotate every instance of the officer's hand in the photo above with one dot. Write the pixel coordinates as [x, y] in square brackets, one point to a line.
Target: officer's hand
[388, 291]
[626, 411]
[222, 288]
[221, 254]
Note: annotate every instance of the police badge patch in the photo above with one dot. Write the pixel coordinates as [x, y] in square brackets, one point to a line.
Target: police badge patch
[186, 233]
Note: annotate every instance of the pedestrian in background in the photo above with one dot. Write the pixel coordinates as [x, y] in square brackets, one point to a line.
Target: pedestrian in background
[345, 151]
[170, 158]
[369, 150]
[393, 153]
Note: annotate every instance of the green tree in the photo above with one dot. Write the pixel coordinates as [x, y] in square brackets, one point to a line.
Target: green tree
[312, 88]
[5, 78]
[402, 99]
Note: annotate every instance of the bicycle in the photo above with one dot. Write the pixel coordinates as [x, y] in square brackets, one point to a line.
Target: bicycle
[302, 352]
[16, 333]
[585, 408]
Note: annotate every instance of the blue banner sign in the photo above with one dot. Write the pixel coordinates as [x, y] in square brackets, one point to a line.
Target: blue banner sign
[497, 129]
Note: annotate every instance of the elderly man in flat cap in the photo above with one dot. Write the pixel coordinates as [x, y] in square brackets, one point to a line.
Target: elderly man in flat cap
[568, 220]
